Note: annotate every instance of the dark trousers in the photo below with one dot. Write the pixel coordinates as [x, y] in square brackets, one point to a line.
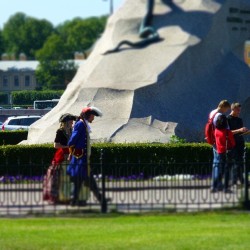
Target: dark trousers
[238, 166]
[88, 181]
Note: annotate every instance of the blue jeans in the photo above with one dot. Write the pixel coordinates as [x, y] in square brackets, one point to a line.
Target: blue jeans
[217, 171]
[222, 164]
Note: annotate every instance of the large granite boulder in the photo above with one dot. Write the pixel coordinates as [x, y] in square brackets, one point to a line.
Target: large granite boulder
[167, 87]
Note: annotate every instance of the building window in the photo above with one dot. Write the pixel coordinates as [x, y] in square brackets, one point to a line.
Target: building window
[27, 81]
[16, 81]
[5, 81]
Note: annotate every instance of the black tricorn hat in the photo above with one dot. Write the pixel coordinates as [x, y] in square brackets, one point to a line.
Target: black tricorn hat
[67, 117]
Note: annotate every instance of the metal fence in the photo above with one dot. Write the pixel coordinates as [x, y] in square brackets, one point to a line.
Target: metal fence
[132, 187]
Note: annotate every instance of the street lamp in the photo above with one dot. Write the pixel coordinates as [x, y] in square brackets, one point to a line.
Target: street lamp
[111, 7]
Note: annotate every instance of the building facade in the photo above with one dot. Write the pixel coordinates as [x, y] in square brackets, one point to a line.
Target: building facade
[17, 75]
[20, 75]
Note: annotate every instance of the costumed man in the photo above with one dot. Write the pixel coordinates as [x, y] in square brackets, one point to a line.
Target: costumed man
[80, 149]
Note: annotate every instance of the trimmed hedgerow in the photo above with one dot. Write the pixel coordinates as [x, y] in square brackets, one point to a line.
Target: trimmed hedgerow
[137, 158]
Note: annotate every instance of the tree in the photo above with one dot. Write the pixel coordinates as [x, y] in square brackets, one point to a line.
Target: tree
[55, 74]
[35, 33]
[55, 70]
[53, 49]
[24, 34]
[80, 34]
[1, 43]
[10, 34]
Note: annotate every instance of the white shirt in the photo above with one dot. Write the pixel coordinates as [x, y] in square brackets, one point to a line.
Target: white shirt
[215, 116]
[88, 127]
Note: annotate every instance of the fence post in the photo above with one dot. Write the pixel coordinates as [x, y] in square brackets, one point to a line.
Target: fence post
[246, 184]
[103, 202]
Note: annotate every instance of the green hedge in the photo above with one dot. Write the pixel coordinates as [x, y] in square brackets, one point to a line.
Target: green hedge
[29, 160]
[3, 98]
[156, 153]
[156, 159]
[189, 158]
[135, 157]
[12, 137]
[27, 97]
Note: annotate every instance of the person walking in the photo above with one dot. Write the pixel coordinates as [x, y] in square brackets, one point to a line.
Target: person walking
[56, 183]
[79, 147]
[61, 157]
[236, 126]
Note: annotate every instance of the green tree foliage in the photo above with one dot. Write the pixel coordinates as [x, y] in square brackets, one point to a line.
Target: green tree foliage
[10, 34]
[3, 98]
[70, 37]
[55, 70]
[55, 74]
[27, 97]
[34, 37]
[37, 32]
[1, 43]
[81, 34]
[24, 34]
[52, 47]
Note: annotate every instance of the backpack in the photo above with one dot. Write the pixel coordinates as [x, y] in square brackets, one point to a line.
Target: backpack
[209, 130]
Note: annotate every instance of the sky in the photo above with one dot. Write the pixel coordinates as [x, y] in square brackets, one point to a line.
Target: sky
[56, 11]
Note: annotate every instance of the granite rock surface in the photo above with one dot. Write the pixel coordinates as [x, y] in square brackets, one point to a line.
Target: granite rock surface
[166, 88]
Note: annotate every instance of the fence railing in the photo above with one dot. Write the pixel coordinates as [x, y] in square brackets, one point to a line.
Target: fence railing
[131, 187]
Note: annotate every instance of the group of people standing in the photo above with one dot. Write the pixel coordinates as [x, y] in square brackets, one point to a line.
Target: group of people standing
[229, 146]
[70, 174]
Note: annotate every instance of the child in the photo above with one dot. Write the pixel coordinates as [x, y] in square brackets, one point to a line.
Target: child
[224, 141]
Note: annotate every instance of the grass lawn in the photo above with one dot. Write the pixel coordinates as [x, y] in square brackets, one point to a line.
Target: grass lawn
[211, 230]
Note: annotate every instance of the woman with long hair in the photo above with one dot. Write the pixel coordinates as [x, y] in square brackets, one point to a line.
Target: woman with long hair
[57, 184]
